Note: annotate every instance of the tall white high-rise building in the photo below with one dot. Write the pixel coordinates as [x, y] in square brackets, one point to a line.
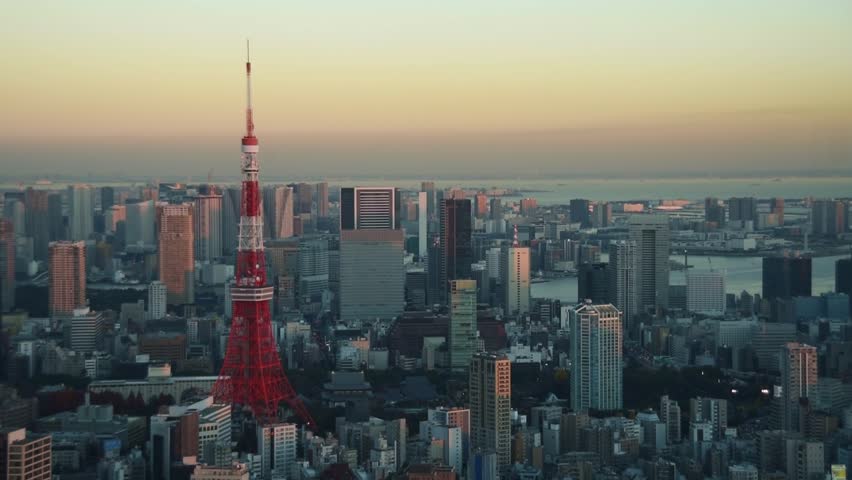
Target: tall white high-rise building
[653, 242]
[276, 444]
[422, 224]
[81, 211]
[799, 380]
[621, 280]
[156, 300]
[596, 357]
[517, 281]
[490, 396]
[705, 292]
[207, 222]
[462, 332]
[140, 220]
[278, 211]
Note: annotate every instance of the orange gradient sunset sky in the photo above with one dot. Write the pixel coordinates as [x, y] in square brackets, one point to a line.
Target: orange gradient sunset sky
[403, 87]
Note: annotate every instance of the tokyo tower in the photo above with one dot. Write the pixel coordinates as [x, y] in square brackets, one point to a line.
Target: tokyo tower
[252, 374]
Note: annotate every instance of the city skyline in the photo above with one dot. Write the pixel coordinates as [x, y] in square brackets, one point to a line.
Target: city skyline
[401, 90]
[501, 315]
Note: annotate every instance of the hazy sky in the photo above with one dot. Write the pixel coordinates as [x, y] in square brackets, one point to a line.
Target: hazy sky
[387, 87]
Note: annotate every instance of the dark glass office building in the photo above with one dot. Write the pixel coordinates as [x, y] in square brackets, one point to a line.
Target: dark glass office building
[580, 212]
[786, 277]
[456, 241]
[592, 283]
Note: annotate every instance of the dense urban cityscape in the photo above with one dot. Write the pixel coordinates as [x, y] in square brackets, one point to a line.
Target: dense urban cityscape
[252, 327]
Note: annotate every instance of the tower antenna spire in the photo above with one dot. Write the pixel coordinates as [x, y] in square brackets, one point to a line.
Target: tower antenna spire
[249, 114]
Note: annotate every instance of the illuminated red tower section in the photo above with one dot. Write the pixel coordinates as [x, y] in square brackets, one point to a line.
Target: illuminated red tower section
[252, 374]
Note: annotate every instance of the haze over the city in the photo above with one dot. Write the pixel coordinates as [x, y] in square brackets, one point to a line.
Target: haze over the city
[378, 88]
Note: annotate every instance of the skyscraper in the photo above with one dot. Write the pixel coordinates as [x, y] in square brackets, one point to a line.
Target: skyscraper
[829, 217]
[776, 206]
[207, 225]
[462, 331]
[621, 281]
[176, 251]
[278, 211]
[580, 212]
[843, 278]
[7, 266]
[38, 221]
[57, 230]
[490, 396]
[742, 209]
[157, 295]
[107, 198]
[670, 415]
[455, 241]
[601, 214]
[592, 282]
[431, 201]
[321, 194]
[304, 201]
[313, 269]
[369, 208]
[67, 267]
[596, 357]
[422, 225]
[786, 277]
[705, 292]
[276, 445]
[80, 212]
[140, 223]
[714, 212]
[516, 285]
[799, 380]
[495, 209]
[651, 234]
[481, 205]
[528, 207]
[372, 274]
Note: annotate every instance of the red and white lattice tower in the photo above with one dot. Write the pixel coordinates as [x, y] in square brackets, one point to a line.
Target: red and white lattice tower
[252, 374]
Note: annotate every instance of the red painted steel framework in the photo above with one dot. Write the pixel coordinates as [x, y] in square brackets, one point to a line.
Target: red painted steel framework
[252, 374]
